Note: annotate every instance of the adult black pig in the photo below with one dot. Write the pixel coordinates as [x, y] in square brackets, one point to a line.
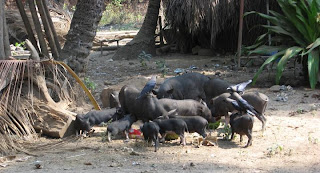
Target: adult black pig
[187, 107]
[215, 87]
[145, 108]
[186, 86]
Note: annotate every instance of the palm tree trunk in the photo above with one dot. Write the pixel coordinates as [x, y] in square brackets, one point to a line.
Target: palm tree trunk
[144, 40]
[82, 31]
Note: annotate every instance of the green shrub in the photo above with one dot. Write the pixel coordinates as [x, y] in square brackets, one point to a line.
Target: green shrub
[296, 33]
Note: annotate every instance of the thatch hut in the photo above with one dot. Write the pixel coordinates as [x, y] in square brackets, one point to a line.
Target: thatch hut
[213, 23]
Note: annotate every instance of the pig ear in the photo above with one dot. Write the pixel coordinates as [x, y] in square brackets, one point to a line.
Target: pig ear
[170, 91]
[172, 112]
[155, 91]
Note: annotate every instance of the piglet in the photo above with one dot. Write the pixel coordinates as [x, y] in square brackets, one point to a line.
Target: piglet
[150, 132]
[172, 125]
[195, 123]
[122, 125]
[242, 125]
[85, 122]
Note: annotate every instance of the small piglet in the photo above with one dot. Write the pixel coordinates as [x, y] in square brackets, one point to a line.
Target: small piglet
[150, 132]
[172, 125]
[86, 121]
[242, 124]
[195, 123]
[124, 124]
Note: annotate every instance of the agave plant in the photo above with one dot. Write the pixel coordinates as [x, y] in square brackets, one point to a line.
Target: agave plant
[296, 33]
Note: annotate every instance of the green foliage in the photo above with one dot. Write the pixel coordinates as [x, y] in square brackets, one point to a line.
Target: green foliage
[214, 126]
[123, 16]
[275, 149]
[20, 44]
[226, 131]
[143, 58]
[296, 33]
[90, 84]
[161, 64]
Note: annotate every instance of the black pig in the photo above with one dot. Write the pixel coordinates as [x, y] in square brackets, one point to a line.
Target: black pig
[242, 124]
[150, 132]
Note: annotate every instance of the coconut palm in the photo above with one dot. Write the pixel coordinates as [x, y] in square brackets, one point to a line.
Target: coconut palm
[144, 40]
[82, 31]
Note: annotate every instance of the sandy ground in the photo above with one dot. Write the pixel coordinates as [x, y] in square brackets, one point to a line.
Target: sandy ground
[291, 142]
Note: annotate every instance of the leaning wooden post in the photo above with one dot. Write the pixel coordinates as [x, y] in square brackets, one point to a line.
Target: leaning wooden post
[55, 36]
[6, 43]
[47, 29]
[240, 30]
[37, 25]
[27, 24]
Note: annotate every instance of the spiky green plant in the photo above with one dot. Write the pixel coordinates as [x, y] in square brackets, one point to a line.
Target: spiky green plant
[296, 33]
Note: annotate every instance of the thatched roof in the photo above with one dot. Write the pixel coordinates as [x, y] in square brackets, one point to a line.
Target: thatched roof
[210, 23]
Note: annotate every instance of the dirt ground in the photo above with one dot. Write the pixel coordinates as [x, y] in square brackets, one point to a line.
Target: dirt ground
[289, 144]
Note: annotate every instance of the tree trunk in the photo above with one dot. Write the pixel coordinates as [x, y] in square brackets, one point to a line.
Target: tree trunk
[2, 54]
[82, 31]
[5, 51]
[144, 40]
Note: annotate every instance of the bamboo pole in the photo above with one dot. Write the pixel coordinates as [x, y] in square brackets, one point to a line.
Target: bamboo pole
[240, 30]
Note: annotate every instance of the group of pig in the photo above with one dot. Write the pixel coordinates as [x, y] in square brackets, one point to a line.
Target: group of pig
[184, 103]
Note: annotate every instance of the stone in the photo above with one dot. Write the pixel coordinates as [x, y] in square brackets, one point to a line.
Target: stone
[275, 88]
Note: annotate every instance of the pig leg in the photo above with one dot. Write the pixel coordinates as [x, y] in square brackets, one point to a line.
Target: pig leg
[263, 120]
[232, 135]
[156, 143]
[163, 138]
[77, 132]
[227, 120]
[203, 133]
[182, 139]
[249, 135]
[127, 136]
[109, 136]
[241, 139]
